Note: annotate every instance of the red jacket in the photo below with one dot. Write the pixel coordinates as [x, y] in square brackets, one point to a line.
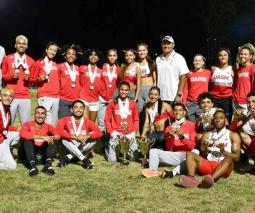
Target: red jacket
[187, 144]
[19, 85]
[113, 119]
[65, 128]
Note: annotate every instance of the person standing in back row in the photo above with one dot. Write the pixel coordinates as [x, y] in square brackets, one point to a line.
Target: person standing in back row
[171, 72]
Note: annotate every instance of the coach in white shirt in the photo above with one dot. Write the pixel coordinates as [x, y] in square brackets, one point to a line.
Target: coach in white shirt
[171, 72]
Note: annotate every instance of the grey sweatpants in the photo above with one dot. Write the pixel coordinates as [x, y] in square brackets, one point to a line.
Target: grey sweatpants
[51, 105]
[23, 106]
[77, 149]
[101, 115]
[6, 160]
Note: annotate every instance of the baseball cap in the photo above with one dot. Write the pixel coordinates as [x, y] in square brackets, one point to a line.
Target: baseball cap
[168, 38]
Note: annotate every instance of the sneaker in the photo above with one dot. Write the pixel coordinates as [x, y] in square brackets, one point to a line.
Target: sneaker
[188, 181]
[207, 182]
[87, 164]
[167, 174]
[48, 170]
[33, 172]
[148, 173]
[63, 162]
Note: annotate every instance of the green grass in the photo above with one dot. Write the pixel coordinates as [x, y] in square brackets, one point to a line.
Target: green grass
[112, 188]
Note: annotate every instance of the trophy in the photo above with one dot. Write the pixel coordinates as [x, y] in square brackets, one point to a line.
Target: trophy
[206, 125]
[124, 144]
[144, 145]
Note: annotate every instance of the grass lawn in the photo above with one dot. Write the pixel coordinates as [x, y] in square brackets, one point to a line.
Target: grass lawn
[110, 187]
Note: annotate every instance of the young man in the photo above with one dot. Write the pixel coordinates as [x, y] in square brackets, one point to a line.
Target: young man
[220, 149]
[78, 135]
[8, 135]
[38, 135]
[171, 72]
[121, 118]
[244, 123]
[180, 138]
[18, 73]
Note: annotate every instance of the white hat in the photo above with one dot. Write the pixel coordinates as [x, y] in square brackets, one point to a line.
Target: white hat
[168, 38]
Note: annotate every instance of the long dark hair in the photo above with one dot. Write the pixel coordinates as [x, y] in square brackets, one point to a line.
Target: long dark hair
[160, 102]
[113, 50]
[47, 47]
[124, 65]
[125, 83]
[99, 53]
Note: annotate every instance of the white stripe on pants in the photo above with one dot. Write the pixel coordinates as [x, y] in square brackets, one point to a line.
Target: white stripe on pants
[51, 104]
[73, 145]
[6, 159]
[23, 106]
[160, 156]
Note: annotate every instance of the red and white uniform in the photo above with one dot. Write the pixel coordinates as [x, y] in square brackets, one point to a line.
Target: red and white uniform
[50, 87]
[244, 83]
[5, 122]
[19, 85]
[29, 130]
[197, 83]
[113, 117]
[222, 83]
[177, 145]
[130, 75]
[110, 76]
[66, 130]
[67, 92]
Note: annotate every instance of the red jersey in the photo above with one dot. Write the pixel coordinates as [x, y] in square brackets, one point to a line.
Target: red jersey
[29, 130]
[244, 83]
[66, 130]
[113, 119]
[197, 83]
[187, 144]
[8, 127]
[69, 91]
[110, 77]
[130, 76]
[50, 87]
[19, 85]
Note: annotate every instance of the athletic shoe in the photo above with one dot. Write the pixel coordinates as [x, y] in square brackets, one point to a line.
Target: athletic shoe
[207, 182]
[33, 171]
[48, 170]
[188, 181]
[148, 173]
[167, 174]
[63, 162]
[87, 164]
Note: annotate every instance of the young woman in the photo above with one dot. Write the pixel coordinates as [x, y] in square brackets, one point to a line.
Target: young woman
[131, 73]
[69, 80]
[48, 83]
[244, 76]
[121, 118]
[157, 118]
[222, 82]
[197, 83]
[110, 76]
[91, 83]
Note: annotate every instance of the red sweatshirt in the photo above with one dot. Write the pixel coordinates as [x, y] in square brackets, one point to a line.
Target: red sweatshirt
[51, 87]
[8, 128]
[244, 83]
[19, 85]
[65, 128]
[197, 83]
[187, 144]
[66, 92]
[113, 119]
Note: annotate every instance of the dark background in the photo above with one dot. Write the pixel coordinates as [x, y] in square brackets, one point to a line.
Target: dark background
[197, 26]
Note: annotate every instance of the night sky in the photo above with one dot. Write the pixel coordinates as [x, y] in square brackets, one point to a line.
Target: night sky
[197, 26]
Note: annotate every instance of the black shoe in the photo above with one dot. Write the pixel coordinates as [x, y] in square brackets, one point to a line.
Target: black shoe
[125, 163]
[63, 162]
[33, 171]
[167, 174]
[87, 164]
[48, 170]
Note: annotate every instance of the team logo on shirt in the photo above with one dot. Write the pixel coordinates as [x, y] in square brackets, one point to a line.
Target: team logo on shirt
[117, 112]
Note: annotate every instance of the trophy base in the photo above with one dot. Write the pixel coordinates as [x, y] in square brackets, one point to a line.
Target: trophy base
[124, 163]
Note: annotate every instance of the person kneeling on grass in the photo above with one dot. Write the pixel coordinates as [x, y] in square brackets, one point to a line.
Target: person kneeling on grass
[38, 136]
[180, 138]
[78, 135]
[121, 118]
[8, 135]
[220, 149]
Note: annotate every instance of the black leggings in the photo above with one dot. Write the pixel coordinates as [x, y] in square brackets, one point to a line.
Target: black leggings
[159, 138]
[226, 105]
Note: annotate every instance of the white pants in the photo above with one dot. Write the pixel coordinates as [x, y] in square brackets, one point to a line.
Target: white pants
[77, 149]
[23, 106]
[51, 106]
[6, 159]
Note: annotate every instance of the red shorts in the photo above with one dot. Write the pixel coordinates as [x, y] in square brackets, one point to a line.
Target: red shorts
[251, 148]
[207, 167]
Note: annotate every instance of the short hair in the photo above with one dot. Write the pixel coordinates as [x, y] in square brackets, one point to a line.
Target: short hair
[78, 101]
[40, 107]
[205, 95]
[181, 105]
[21, 37]
[125, 83]
[219, 110]
[7, 89]
[250, 94]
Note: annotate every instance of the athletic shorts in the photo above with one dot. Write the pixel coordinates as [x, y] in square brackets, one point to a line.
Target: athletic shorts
[207, 168]
[93, 106]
